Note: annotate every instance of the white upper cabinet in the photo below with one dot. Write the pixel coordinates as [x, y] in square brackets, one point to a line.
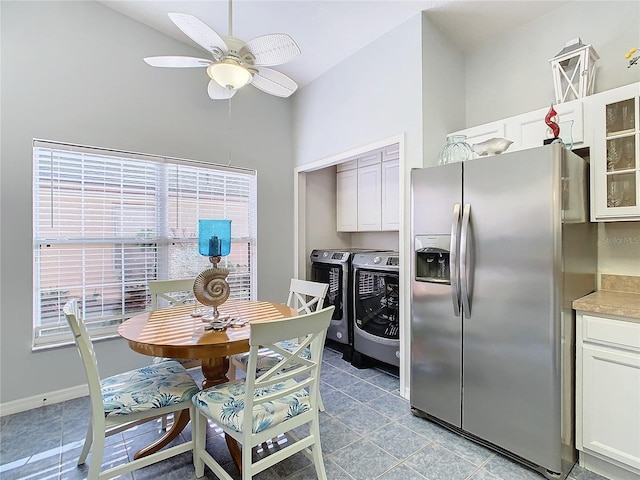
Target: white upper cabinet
[347, 198]
[390, 153]
[483, 132]
[608, 123]
[529, 130]
[390, 215]
[615, 154]
[368, 192]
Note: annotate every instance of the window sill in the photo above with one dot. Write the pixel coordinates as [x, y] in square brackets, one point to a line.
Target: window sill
[66, 343]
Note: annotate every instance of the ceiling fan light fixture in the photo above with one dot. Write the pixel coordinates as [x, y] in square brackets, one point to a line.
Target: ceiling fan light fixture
[234, 63]
[229, 74]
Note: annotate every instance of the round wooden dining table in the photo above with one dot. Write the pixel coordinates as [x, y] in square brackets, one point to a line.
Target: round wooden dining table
[174, 332]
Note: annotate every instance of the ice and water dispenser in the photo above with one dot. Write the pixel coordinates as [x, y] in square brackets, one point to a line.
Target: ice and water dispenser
[432, 258]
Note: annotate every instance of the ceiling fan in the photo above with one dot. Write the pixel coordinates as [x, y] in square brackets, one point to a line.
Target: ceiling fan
[235, 63]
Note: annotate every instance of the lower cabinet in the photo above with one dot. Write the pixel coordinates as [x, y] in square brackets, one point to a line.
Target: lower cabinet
[608, 395]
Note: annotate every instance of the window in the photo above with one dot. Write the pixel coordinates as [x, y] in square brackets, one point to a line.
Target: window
[106, 222]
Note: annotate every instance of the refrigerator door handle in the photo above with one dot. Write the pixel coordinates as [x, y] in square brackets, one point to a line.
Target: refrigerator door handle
[453, 261]
[464, 254]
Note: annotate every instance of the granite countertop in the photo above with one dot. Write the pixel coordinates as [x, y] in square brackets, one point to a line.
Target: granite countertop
[619, 295]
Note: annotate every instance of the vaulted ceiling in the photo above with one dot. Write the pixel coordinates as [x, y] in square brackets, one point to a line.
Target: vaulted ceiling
[329, 31]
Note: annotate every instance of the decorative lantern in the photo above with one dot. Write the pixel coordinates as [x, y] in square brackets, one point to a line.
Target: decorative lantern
[210, 287]
[574, 71]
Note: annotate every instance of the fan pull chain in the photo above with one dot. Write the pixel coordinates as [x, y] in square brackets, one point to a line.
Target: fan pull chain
[51, 187]
[229, 133]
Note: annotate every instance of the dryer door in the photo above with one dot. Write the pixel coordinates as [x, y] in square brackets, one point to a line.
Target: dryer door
[376, 303]
[334, 275]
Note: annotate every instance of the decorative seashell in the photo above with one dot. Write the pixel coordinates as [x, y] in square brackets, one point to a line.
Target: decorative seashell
[210, 287]
[493, 146]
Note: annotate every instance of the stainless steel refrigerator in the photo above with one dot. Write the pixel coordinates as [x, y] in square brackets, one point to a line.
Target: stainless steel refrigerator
[502, 246]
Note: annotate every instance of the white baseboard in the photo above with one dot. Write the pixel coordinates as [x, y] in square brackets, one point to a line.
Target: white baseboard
[29, 403]
[607, 468]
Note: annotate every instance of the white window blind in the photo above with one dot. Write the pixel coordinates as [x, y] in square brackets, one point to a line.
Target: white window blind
[106, 222]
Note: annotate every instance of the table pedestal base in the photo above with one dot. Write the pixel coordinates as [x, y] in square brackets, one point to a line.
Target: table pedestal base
[215, 371]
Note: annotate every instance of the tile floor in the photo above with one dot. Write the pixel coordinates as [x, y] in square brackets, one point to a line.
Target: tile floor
[367, 431]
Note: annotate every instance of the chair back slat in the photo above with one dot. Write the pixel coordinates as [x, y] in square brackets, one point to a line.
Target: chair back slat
[83, 341]
[292, 363]
[273, 331]
[311, 328]
[174, 292]
[306, 296]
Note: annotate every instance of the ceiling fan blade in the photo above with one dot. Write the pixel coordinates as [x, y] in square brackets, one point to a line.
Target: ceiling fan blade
[273, 49]
[217, 92]
[198, 31]
[177, 62]
[273, 82]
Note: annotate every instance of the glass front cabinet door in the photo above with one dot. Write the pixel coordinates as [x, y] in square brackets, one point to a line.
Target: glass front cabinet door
[615, 154]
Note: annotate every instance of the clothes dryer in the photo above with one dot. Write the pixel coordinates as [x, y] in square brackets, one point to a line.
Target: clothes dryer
[376, 301]
[333, 266]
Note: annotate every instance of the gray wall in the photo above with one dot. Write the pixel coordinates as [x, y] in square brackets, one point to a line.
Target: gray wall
[372, 95]
[73, 71]
[411, 82]
[512, 74]
[443, 91]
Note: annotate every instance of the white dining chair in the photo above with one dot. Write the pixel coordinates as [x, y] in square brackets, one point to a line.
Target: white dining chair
[165, 293]
[279, 400]
[127, 399]
[306, 297]
[168, 293]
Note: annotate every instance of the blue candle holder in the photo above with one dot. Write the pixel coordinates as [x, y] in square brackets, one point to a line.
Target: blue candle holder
[210, 287]
[214, 238]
